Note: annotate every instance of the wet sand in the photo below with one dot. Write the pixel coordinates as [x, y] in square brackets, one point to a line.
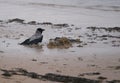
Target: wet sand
[75, 61]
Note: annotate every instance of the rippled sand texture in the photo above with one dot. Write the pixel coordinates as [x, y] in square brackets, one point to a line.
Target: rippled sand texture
[95, 23]
[96, 56]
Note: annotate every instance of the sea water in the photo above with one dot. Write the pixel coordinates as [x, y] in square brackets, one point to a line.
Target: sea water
[78, 12]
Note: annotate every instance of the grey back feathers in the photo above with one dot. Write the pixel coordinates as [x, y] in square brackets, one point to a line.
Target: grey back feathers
[34, 39]
[36, 36]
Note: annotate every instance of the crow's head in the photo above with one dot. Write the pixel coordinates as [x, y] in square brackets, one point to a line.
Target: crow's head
[40, 30]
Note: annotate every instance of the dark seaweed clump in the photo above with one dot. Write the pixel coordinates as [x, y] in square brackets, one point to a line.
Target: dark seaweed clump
[62, 42]
[90, 74]
[32, 22]
[16, 20]
[1, 20]
[48, 76]
[46, 23]
[62, 25]
[114, 81]
[108, 29]
[109, 36]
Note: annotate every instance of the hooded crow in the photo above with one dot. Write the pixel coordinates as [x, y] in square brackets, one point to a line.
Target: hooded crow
[34, 39]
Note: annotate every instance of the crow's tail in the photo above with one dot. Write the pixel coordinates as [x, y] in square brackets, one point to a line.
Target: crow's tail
[26, 42]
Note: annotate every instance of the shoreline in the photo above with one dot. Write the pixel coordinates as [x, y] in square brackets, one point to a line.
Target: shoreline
[96, 60]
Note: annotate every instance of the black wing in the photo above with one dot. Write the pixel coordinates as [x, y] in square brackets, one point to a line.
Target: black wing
[26, 42]
[35, 41]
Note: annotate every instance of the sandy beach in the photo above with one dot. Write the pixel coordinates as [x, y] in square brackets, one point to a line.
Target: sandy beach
[81, 41]
[96, 59]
